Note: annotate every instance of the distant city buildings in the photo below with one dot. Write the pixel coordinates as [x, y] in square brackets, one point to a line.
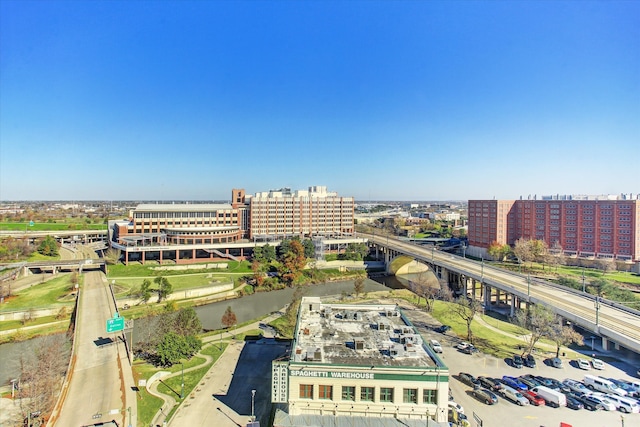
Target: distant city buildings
[199, 232]
[584, 226]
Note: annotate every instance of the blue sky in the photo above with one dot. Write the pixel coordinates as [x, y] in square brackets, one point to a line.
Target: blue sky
[380, 100]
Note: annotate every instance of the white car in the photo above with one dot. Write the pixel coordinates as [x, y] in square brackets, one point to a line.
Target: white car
[606, 404]
[597, 364]
[456, 406]
[583, 364]
[462, 345]
[435, 345]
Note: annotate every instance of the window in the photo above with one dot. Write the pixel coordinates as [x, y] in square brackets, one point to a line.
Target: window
[430, 396]
[348, 393]
[386, 394]
[366, 394]
[326, 392]
[306, 391]
[410, 395]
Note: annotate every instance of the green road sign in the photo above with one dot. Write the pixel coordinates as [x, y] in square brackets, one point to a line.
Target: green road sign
[115, 325]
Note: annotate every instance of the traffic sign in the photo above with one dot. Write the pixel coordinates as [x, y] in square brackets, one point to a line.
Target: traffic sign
[116, 324]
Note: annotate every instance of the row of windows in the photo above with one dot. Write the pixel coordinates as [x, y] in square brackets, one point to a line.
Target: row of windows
[161, 215]
[367, 394]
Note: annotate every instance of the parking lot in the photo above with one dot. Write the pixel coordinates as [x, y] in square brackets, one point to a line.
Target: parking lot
[505, 413]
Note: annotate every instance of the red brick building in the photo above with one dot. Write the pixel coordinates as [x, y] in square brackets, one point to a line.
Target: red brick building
[586, 227]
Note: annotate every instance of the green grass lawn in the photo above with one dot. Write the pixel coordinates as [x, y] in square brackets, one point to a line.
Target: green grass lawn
[53, 293]
[51, 226]
[148, 270]
[179, 283]
[149, 405]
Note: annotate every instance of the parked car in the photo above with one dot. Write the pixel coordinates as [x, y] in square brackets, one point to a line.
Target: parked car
[513, 395]
[529, 361]
[515, 383]
[533, 398]
[590, 403]
[575, 386]
[573, 403]
[544, 380]
[604, 403]
[462, 345]
[555, 362]
[486, 396]
[583, 364]
[597, 364]
[516, 361]
[468, 379]
[458, 407]
[490, 383]
[442, 329]
[435, 345]
[470, 349]
[528, 382]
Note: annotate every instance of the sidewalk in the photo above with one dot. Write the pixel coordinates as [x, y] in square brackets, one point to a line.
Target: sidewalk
[215, 383]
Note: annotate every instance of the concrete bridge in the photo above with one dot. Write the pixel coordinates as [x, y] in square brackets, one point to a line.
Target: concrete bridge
[617, 325]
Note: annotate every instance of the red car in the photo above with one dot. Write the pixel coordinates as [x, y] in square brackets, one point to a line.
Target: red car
[533, 398]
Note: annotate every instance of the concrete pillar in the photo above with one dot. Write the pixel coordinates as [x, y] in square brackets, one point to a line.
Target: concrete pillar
[605, 344]
[497, 296]
[126, 257]
[161, 256]
[465, 289]
[193, 254]
[513, 305]
[144, 258]
[487, 297]
[177, 255]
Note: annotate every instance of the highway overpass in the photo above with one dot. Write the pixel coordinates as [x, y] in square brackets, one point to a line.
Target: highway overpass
[616, 324]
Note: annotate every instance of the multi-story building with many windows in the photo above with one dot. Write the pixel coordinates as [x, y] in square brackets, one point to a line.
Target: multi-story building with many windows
[601, 227]
[365, 363]
[199, 232]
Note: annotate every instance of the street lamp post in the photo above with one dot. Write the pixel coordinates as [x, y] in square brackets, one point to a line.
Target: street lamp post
[583, 288]
[129, 411]
[482, 270]
[253, 396]
[597, 306]
[13, 388]
[528, 287]
[182, 383]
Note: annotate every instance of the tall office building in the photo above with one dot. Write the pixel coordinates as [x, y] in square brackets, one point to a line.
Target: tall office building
[311, 212]
[604, 227]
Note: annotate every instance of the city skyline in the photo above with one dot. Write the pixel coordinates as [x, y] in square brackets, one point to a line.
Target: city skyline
[375, 100]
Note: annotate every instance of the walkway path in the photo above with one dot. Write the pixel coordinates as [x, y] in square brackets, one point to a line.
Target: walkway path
[221, 380]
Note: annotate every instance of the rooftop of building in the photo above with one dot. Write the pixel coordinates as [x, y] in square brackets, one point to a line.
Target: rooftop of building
[182, 207]
[359, 334]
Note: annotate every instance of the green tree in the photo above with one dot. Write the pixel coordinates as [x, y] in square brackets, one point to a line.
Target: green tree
[164, 287]
[498, 251]
[257, 254]
[309, 248]
[145, 291]
[48, 247]
[269, 253]
[171, 348]
[355, 251]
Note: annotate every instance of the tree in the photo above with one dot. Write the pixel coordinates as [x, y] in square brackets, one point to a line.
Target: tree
[173, 347]
[358, 285]
[229, 318]
[48, 247]
[269, 253]
[607, 265]
[186, 322]
[355, 252]
[538, 320]
[112, 256]
[466, 309]
[556, 255]
[309, 248]
[563, 335]
[145, 291]
[498, 251]
[164, 287]
[293, 261]
[258, 273]
[257, 254]
[425, 285]
[291, 312]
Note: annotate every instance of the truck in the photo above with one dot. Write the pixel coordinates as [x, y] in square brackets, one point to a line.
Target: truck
[552, 397]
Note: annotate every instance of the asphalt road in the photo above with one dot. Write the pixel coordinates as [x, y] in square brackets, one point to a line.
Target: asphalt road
[95, 384]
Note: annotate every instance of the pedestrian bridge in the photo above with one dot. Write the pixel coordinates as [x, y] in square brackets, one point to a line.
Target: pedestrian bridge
[617, 325]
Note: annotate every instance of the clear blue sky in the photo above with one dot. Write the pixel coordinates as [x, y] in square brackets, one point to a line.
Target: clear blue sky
[385, 100]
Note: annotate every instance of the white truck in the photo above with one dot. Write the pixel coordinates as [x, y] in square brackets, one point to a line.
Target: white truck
[552, 398]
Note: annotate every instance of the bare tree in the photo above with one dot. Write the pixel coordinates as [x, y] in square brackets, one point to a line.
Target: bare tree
[41, 373]
[523, 250]
[607, 265]
[466, 309]
[538, 320]
[229, 318]
[358, 285]
[563, 335]
[556, 255]
[425, 285]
